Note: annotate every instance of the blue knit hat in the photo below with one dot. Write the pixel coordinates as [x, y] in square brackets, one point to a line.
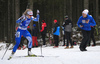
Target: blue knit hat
[34, 25]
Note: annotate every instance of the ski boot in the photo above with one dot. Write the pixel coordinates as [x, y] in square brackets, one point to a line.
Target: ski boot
[11, 55]
[30, 53]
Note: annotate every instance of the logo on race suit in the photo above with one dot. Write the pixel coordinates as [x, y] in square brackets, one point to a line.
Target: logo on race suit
[84, 21]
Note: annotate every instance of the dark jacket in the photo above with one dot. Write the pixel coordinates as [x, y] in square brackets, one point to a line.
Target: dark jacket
[34, 32]
[29, 30]
[43, 28]
[68, 25]
[55, 27]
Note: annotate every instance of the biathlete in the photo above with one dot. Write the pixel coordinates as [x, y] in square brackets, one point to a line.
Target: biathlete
[24, 21]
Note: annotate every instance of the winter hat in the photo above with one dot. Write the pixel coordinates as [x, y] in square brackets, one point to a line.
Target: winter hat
[85, 11]
[43, 21]
[55, 21]
[66, 16]
[30, 13]
[34, 25]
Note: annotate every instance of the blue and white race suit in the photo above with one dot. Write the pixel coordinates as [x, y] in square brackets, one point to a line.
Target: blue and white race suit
[22, 30]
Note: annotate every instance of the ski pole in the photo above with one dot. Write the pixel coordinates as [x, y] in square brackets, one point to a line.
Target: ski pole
[5, 52]
[41, 49]
[39, 32]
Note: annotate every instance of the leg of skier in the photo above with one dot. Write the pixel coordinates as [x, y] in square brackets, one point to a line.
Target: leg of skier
[28, 36]
[18, 38]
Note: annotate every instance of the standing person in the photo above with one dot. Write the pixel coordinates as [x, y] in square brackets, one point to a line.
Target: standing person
[92, 36]
[43, 32]
[85, 22]
[68, 29]
[63, 32]
[34, 35]
[22, 30]
[56, 33]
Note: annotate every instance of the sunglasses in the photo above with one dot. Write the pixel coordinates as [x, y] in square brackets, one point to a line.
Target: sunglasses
[30, 15]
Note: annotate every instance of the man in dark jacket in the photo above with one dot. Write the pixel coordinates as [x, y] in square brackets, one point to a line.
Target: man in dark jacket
[68, 30]
[34, 36]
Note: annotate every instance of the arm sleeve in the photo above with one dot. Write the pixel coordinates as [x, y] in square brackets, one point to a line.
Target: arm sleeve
[42, 28]
[79, 23]
[18, 21]
[93, 23]
[36, 19]
[22, 18]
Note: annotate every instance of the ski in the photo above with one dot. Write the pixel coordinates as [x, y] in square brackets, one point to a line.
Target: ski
[32, 56]
[27, 56]
[37, 56]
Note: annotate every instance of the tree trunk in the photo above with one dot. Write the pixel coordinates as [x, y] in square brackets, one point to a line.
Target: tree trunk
[9, 14]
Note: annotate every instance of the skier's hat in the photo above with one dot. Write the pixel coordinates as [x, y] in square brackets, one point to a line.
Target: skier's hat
[55, 21]
[43, 21]
[85, 11]
[30, 13]
[34, 25]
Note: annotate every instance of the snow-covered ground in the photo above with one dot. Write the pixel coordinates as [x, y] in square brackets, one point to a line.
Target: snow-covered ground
[54, 56]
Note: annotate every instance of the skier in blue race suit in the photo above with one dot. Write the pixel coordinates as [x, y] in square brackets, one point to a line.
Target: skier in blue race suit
[24, 21]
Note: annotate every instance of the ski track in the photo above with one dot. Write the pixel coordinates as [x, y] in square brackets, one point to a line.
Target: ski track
[54, 56]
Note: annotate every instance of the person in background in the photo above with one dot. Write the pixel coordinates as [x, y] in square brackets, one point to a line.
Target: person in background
[21, 43]
[28, 28]
[68, 29]
[34, 36]
[85, 22]
[92, 37]
[43, 32]
[56, 33]
[63, 32]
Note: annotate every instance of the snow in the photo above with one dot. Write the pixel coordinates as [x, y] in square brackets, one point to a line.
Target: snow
[54, 56]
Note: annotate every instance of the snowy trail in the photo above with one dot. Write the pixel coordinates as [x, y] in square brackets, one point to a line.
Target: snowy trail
[55, 56]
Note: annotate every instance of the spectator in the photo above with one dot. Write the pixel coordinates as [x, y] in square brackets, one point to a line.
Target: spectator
[56, 33]
[85, 22]
[68, 30]
[34, 36]
[43, 32]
